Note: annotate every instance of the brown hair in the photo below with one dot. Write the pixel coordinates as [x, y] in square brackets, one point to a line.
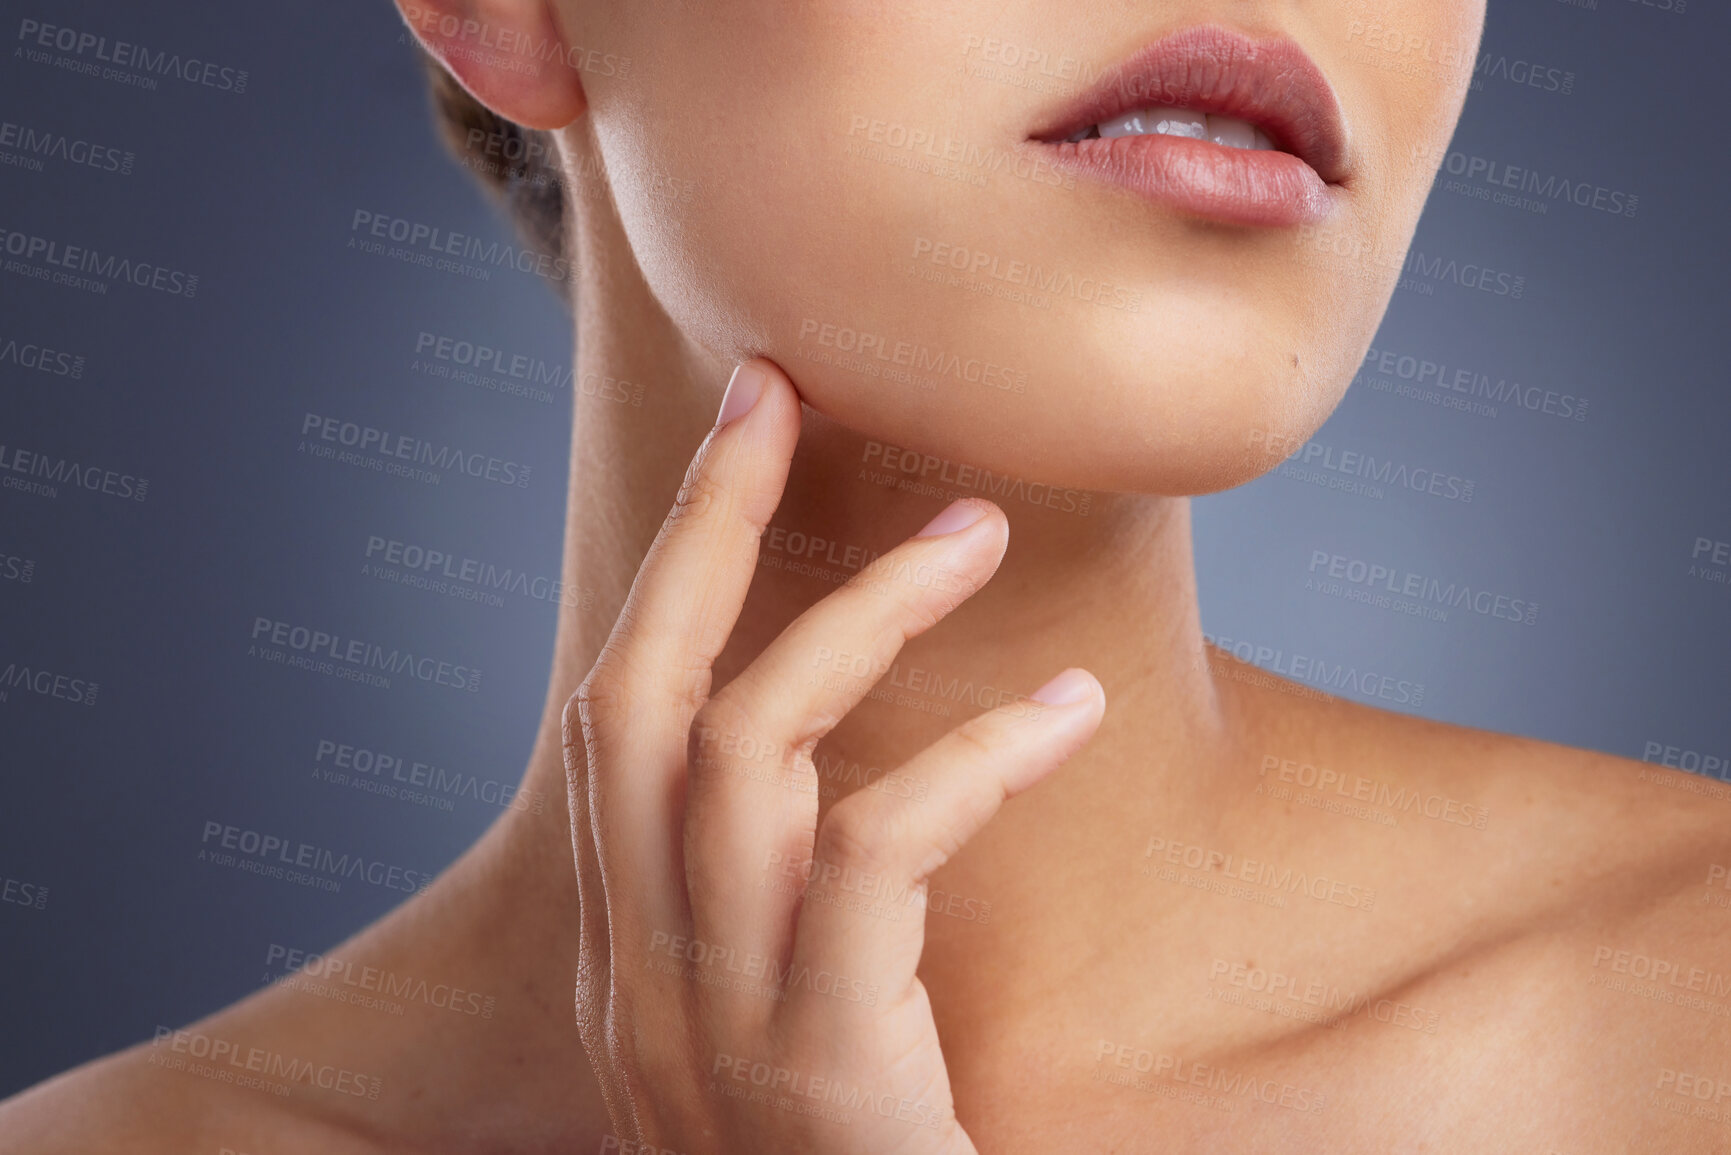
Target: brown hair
[519, 166]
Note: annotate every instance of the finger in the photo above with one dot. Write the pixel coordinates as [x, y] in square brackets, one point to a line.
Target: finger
[626, 990]
[753, 793]
[637, 703]
[594, 977]
[864, 911]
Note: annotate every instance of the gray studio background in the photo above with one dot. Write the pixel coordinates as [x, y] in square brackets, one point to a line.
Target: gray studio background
[111, 926]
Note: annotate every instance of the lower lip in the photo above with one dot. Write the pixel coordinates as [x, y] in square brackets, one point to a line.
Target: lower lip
[1240, 186]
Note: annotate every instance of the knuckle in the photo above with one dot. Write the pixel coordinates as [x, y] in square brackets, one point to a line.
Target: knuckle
[701, 493]
[920, 612]
[856, 837]
[576, 748]
[622, 684]
[571, 725]
[604, 686]
[720, 724]
[690, 686]
[911, 610]
[980, 739]
[601, 694]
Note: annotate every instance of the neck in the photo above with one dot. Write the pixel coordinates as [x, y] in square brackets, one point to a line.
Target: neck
[1105, 581]
[1096, 580]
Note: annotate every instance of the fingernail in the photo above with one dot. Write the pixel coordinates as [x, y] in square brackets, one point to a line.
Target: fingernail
[1070, 686]
[743, 390]
[960, 515]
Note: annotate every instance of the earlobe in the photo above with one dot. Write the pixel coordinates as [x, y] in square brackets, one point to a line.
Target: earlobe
[510, 55]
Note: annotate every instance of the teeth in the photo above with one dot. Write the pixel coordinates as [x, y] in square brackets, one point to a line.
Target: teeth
[1226, 131]
[1180, 122]
[1129, 125]
[1232, 133]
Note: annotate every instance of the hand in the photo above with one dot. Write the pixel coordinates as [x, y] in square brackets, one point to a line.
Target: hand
[748, 976]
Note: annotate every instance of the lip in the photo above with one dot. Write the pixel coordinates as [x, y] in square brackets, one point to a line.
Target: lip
[1270, 83]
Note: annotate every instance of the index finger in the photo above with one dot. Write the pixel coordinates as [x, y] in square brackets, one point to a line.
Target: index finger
[637, 703]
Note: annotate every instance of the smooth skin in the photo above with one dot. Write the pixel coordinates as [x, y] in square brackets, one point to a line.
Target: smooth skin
[683, 799]
[1497, 993]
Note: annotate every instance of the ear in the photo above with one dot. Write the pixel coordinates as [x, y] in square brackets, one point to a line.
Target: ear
[510, 55]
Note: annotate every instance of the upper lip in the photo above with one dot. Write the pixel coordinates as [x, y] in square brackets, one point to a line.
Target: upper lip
[1270, 83]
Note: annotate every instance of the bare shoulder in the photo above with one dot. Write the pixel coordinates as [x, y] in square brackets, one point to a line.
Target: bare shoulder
[1637, 813]
[1531, 790]
[1565, 913]
[140, 1102]
[1513, 834]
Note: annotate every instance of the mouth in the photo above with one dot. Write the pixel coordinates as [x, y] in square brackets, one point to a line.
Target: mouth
[1212, 124]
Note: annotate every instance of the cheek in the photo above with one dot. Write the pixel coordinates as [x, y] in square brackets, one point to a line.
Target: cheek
[1061, 333]
[1018, 342]
[1403, 70]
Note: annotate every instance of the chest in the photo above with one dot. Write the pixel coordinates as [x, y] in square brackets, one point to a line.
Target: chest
[1148, 1024]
